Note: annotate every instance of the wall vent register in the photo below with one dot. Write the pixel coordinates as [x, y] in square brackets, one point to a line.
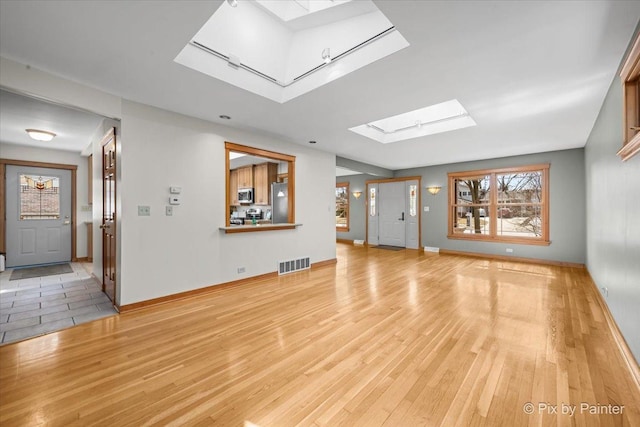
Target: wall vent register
[285, 267]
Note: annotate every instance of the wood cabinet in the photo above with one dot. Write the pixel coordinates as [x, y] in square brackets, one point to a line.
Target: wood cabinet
[233, 188]
[259, 177]
[245, 177]
[264, 175]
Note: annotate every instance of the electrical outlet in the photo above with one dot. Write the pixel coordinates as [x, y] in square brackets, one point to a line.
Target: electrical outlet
[241, 270]
[509, 250]
[144, 210]
[168, 210]
[605, 291]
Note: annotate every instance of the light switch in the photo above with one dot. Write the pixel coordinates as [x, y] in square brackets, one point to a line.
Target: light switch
[175, 190]
[426, 208]
[174, 200]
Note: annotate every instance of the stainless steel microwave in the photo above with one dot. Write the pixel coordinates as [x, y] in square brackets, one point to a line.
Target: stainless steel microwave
[245, 195]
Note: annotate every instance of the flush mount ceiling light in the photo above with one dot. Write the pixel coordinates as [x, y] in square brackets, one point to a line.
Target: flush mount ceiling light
[40, 135]
[438, 118]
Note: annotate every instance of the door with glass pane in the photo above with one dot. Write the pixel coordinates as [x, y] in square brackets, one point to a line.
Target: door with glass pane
[108, 226]
[39, 217]
[392, 208]
[393, 213]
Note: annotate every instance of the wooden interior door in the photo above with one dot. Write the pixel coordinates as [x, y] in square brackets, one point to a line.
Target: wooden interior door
[108, 225]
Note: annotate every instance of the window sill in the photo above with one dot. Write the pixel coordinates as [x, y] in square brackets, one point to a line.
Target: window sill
[258, 227]
[631, 148]
[514, 240]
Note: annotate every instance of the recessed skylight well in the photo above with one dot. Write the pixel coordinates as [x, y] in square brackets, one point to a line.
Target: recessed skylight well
[444, 117]
[281, 49]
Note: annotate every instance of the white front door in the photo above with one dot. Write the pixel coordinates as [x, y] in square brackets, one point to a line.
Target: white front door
[38, 202]
[392, 203]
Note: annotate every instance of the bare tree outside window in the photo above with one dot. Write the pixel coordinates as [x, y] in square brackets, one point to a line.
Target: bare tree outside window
[500, 204]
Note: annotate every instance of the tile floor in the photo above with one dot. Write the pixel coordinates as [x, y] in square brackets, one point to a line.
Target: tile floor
[39, 305]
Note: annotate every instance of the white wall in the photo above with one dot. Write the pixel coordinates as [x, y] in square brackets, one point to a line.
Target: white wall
[163, 255]
[18, 152]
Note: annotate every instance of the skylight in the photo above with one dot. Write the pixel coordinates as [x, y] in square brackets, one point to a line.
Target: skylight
[281, 49]
[438, 118]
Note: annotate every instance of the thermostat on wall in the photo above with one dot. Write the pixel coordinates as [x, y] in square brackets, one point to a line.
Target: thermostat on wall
[175, 190]
[174, 200]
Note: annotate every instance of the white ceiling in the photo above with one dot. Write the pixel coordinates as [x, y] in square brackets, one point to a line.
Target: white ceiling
[73, 128]
[532, 74]
[247, 46]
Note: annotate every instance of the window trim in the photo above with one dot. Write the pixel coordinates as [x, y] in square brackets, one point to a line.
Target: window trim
[543, 240]
[345, 229]
[259, 152]
[630, 77]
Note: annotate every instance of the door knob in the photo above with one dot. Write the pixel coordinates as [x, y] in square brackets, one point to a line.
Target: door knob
[103, 226]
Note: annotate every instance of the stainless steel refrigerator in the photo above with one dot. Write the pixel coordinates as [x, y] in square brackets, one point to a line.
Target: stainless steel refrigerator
[280, 202]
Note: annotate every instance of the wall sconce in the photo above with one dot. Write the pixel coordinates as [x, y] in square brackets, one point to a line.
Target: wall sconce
[434, 190]
[357, 194]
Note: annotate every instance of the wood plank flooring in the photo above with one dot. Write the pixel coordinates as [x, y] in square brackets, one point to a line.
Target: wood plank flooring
[382, 338]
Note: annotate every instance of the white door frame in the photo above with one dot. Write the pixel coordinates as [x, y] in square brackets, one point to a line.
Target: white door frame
[374, 184]
[3, 197]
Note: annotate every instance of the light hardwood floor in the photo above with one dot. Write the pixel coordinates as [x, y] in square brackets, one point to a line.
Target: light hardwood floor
[381, 338]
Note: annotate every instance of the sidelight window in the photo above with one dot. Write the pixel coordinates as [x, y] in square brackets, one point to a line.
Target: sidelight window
[372, 201]
[413, 200]
[342, 206]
